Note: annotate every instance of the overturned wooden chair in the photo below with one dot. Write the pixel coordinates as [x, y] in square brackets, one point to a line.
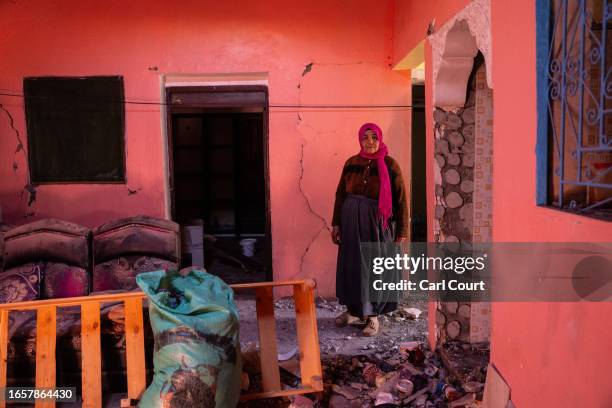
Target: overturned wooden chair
[91, 366]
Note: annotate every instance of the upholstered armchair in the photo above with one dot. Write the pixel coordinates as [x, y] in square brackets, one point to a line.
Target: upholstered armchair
[124, 248]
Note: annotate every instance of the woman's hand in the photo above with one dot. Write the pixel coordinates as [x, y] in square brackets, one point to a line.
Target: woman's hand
[335, 234]
[399, 240]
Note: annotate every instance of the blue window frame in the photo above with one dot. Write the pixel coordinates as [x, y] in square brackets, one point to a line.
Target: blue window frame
[574, 143]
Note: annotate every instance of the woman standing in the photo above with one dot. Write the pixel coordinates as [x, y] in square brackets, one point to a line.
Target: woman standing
[371, 206]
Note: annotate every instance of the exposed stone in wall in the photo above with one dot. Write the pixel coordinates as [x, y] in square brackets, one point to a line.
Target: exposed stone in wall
[454, 151]
[453, 321]
[454, 212]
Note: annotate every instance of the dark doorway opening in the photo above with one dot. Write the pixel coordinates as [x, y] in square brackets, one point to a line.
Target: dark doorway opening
[418, 201]
[219, 179]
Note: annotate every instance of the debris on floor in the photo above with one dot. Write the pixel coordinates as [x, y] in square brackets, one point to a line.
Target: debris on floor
[394, 369]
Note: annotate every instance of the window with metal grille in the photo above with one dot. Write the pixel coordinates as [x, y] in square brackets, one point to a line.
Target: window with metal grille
[574, 148]
[75, 129]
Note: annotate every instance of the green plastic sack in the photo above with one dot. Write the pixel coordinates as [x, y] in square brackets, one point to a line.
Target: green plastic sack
[197, 350]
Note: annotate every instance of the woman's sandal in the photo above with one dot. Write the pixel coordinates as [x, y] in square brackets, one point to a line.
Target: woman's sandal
[372, 326]
[346, 319]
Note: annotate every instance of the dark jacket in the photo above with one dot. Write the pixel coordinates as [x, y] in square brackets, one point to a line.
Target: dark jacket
[360, 176]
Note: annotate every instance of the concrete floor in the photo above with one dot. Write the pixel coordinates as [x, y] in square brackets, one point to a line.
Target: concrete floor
[333, 340]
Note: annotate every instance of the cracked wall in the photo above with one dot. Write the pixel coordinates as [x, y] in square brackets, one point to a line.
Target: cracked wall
[318, 54]
[521, 333]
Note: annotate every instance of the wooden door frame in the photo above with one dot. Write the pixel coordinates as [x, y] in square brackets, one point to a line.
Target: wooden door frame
[232, 105]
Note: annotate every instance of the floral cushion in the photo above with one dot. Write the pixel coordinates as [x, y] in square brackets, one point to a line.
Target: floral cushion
[121, 273]
[61, 281]
[20, 283]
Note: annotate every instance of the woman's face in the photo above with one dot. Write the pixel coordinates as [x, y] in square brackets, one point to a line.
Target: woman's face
[370, 142]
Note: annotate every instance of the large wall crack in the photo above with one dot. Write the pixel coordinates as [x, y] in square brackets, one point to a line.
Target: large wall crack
[325, 225]
[19, 147]
[28, 188]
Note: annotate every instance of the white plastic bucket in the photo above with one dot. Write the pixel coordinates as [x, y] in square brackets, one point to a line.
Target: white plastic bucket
[248, 246]
[193, 242]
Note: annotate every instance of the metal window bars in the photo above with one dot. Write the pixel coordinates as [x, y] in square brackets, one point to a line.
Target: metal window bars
[579, 87]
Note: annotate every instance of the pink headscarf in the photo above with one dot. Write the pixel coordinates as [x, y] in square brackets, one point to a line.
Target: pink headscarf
[385, 204]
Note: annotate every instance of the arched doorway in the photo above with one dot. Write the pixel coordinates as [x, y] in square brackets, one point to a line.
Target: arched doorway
[463, 132]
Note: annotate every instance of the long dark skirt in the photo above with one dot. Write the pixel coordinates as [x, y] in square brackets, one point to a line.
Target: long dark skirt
[359, 224]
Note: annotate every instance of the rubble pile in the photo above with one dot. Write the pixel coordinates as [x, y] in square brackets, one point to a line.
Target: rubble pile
[406, 375]
[412, 376]
[466, 361]
[394, 369]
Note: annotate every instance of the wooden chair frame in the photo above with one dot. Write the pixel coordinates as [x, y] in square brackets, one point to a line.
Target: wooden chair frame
[91, 366]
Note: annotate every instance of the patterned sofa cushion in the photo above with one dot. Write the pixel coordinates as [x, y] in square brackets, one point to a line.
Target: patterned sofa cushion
[121, 273]
[20, 283]
[61, 280]
[124, 248]
[139, 235]
[47, 240]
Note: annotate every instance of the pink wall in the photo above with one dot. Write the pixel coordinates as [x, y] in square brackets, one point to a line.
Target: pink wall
[348, 42]
[551, 354]
[412, 17]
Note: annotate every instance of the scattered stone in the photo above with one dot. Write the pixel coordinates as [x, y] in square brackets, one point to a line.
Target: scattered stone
[299, 401]
[338, 401]
[421, 402]
[355, 363]
[384, 398]
[346, 391]
[358, 386]
[417, 395]
[411, 313]
[473, 386]
[464, 402]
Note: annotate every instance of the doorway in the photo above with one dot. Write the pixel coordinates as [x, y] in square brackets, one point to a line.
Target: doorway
[219, 179]
[418, 195]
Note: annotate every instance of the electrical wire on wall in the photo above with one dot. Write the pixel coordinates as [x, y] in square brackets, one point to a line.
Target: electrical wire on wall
[285, 107]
